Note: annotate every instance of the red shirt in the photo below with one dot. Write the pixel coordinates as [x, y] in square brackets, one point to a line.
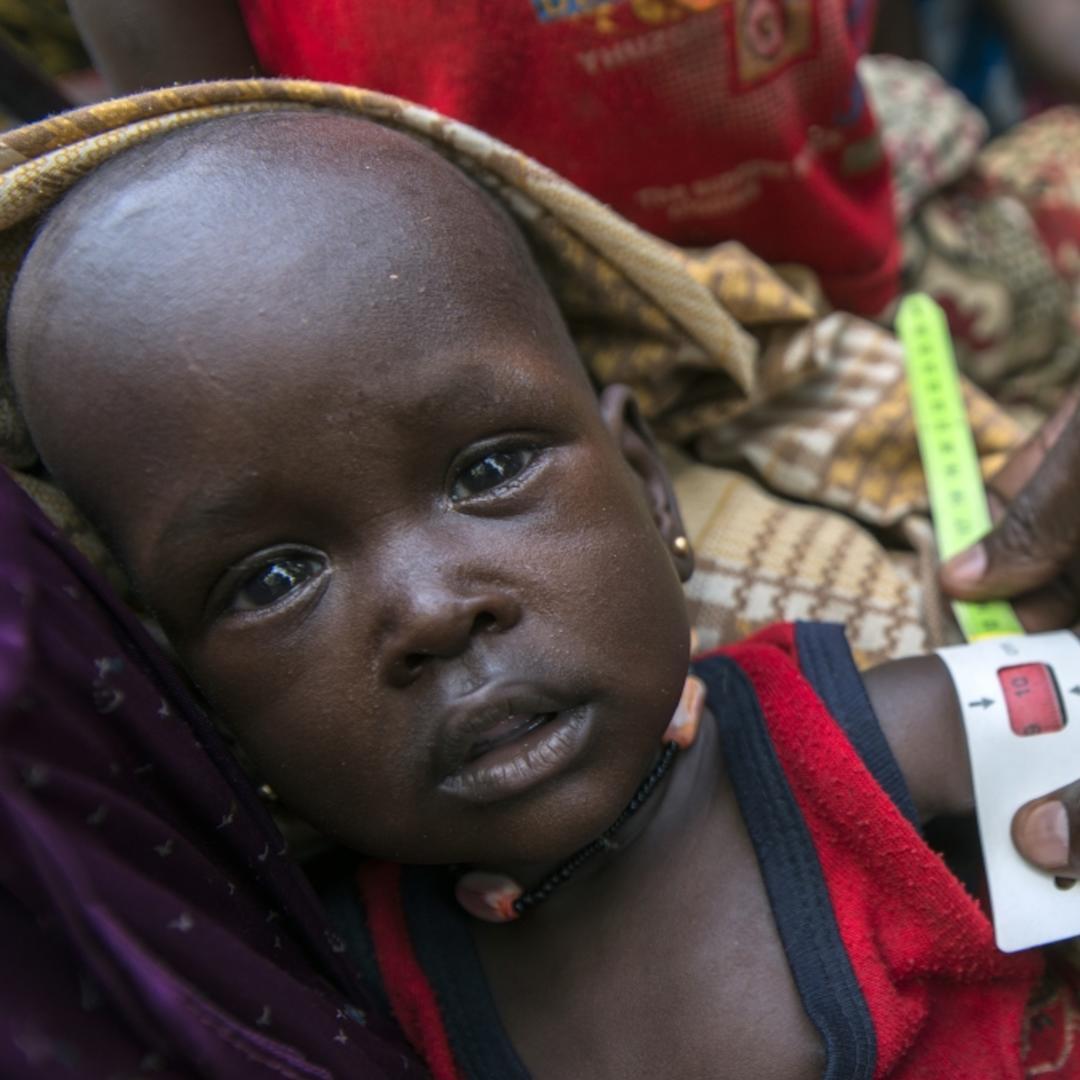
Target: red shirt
[892, 958]
[700, 120]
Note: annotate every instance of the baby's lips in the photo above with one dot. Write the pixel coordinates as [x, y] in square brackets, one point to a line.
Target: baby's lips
[496, 712]
[512, 727]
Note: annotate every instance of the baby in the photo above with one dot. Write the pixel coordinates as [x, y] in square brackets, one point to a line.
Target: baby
[307, 381]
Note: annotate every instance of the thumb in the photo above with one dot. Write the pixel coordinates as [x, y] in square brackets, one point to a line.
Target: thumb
[1015, 558]
[1038, 536]
[1044, 831]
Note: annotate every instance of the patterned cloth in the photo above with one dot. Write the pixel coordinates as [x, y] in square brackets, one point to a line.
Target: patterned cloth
[150, 919]
[991, 231]
[730, 360]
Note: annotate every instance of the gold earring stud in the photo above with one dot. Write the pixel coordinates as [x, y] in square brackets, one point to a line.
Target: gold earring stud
[681, 546]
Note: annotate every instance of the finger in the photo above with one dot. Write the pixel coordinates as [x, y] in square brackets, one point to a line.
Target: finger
[1039, 536]
[1053, 607]
[1046, 831]
[1022, 465]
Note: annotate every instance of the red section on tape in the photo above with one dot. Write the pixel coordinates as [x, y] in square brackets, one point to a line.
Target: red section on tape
[1031, 697]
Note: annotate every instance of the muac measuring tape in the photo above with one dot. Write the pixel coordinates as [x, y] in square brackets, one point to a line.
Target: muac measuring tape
[958, 501]
[1011, 687]
[953, 478]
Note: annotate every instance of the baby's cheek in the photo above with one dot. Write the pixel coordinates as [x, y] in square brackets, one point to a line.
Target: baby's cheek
[343, 767]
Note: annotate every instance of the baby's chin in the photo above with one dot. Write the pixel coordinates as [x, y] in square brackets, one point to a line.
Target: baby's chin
[528, 839]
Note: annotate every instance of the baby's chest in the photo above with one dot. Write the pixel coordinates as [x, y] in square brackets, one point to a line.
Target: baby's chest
[750, 1024]
[712, 997]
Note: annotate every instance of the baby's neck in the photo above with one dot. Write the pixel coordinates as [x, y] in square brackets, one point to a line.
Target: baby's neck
[665, 955]
[645, 847]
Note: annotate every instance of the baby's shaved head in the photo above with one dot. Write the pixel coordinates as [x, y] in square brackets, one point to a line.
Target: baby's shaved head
[305, 378]
[261, 170]
[244, 230]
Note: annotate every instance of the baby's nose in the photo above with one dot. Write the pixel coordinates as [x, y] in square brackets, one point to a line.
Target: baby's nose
[440, 625]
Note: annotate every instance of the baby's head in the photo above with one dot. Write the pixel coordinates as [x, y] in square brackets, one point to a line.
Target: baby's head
[304, 376]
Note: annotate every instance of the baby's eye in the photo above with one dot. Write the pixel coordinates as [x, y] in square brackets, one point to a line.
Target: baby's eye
[273, 581]
[489, 471]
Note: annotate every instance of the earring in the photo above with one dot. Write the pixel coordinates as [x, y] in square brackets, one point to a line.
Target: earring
[267, 793]
[681, 546]
[683, 728]
[488, 896]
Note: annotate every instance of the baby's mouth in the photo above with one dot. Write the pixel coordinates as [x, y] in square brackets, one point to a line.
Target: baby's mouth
[515, 726]
[507, 737]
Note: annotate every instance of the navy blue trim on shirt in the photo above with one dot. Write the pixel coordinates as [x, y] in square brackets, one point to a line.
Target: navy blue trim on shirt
[826, 660]
[448, 957]
[794, 880]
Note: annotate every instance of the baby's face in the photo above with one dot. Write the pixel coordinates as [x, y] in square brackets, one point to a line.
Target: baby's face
[395, 541]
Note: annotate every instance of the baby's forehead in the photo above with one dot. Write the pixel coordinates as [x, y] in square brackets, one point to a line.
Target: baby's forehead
[263, 211]
[279, 196]
[245, 253]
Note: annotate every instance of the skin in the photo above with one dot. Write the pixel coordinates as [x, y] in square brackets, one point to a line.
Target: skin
[257, 441]
[1030, 558]
[332, 423]
[138, 45]
[1046, 34]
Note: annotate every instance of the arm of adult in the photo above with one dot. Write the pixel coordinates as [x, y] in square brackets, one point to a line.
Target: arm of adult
[1046, 34]
[142, 44]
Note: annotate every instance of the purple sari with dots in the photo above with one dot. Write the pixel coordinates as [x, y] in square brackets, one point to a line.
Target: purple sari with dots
[150, 921]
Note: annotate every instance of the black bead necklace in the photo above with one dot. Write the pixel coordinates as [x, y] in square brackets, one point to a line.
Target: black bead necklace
[604, 842]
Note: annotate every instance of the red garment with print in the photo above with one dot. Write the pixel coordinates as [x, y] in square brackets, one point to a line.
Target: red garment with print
[700, 120]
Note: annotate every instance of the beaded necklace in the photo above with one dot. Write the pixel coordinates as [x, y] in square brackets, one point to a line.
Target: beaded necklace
[499, 898]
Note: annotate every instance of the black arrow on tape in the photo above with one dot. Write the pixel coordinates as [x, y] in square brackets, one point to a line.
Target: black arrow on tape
[984, 704]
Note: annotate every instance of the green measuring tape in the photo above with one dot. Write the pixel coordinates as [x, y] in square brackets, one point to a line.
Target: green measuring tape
[957, 497]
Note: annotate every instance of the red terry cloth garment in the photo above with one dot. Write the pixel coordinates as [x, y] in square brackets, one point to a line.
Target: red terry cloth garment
[699, 120]
[893, 959]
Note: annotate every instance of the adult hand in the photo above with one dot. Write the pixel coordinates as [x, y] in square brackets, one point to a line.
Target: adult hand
[1032, 556]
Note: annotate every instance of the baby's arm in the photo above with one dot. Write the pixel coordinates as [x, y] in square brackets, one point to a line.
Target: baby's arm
[916, 704]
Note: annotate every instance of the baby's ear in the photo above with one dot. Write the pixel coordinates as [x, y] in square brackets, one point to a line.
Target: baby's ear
[624, 420]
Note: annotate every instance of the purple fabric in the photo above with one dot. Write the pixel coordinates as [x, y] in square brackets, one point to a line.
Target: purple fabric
[149, 919]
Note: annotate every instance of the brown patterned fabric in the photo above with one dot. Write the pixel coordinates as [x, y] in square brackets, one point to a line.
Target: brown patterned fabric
[931, 132]
[990, 230]
[811, 503]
